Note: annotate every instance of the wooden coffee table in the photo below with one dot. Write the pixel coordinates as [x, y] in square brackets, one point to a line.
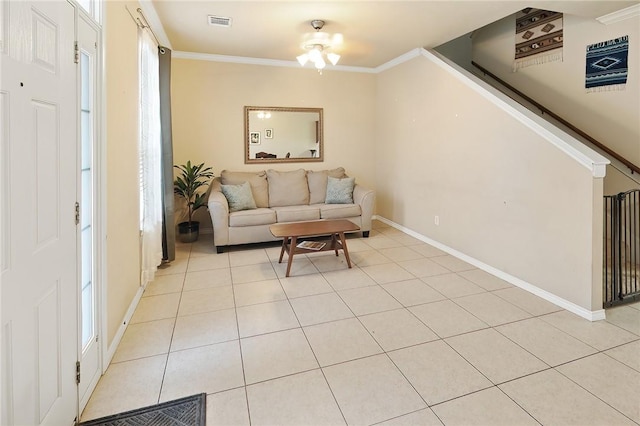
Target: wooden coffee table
[293, 233]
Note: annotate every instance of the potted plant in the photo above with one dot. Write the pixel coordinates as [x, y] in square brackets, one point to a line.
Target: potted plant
[186, 185]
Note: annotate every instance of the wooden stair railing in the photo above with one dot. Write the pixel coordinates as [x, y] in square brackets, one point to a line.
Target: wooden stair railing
[544, 110]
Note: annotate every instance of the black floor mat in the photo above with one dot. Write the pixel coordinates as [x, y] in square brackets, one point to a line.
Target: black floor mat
[188, 411]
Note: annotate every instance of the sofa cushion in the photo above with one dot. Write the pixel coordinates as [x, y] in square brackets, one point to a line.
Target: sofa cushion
[340, 191]
[260, 216]
[239, 197]
[297, 213]
[339, 211]
[257, 180]
[288, 188]
[318, 183]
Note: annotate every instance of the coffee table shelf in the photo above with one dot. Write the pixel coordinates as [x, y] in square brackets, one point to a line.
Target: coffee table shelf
[294, 233]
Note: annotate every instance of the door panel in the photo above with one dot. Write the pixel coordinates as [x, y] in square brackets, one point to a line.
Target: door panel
[47, 147]
[45, 37]
[39, 282]
[5, 230]
[48, 311]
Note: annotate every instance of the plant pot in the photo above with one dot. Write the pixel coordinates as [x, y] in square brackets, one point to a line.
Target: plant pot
[188, 233]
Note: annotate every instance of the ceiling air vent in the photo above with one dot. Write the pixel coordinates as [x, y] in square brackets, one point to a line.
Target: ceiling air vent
[219, 21]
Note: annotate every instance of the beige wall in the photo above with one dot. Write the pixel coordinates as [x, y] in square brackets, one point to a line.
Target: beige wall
[503, 194]
[616, 182]
[611, 117]
[208, 116]
[121, 76]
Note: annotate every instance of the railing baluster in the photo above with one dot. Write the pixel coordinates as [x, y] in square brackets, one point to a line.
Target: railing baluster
[632, 242]
[621, 253]
[605, 251]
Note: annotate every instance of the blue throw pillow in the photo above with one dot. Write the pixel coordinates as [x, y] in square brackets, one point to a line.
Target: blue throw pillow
[239, 197]
[340, 191]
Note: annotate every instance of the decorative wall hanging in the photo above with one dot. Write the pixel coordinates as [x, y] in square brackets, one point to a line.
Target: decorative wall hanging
[538, 37]
[607, 65]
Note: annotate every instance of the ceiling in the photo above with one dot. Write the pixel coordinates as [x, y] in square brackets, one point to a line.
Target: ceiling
[375, 32]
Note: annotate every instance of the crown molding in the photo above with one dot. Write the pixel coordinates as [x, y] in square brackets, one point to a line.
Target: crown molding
[399, 60]
[620, 15]
[261, 61]
[414, 53]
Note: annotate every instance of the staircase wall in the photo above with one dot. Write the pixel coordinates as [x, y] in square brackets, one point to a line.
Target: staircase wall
[613, 118]
[504, 194]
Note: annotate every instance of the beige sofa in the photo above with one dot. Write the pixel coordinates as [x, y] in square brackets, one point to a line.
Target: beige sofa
[292, 196]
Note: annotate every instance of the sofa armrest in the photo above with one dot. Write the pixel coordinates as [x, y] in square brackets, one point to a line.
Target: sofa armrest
[219, 211]
[366, 199]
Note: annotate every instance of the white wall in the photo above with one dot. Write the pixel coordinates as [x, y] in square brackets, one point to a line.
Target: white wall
[610, 117]
[504, 195]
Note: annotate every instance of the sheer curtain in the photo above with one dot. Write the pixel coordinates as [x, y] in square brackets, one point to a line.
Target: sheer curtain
[150, 160]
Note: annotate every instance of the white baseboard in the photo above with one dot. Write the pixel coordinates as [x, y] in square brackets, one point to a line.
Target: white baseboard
[111, 350]
[550, 297]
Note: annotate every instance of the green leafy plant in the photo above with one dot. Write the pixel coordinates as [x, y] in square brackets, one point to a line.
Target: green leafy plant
[187, 183]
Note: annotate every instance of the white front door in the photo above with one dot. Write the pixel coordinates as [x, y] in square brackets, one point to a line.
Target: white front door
[38, 171]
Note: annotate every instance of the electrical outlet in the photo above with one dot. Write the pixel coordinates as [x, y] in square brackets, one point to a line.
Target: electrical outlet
[436, 220]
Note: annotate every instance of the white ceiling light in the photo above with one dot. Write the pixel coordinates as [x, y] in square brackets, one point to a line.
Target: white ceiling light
[318, 46]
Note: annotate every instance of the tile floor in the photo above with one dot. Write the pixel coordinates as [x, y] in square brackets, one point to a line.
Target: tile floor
[409, 336]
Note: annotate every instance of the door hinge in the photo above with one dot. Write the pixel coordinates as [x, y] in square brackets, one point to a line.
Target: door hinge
[77, 213]
[76, 53]
[77, 372]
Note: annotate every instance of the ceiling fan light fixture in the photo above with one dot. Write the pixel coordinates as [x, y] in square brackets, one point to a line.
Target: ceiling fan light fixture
[312, 39]
[318, 47]
[303, 59]
[315, 54]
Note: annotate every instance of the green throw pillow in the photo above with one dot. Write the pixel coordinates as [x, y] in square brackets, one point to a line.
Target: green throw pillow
[239, 197]
[340, 191]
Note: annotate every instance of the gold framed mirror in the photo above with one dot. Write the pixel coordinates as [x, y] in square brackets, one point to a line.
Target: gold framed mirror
[283, 135]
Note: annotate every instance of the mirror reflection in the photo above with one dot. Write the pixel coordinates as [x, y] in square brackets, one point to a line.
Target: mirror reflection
[283, 134]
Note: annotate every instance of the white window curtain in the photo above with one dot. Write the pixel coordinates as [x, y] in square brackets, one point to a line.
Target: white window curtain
[150, 159]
